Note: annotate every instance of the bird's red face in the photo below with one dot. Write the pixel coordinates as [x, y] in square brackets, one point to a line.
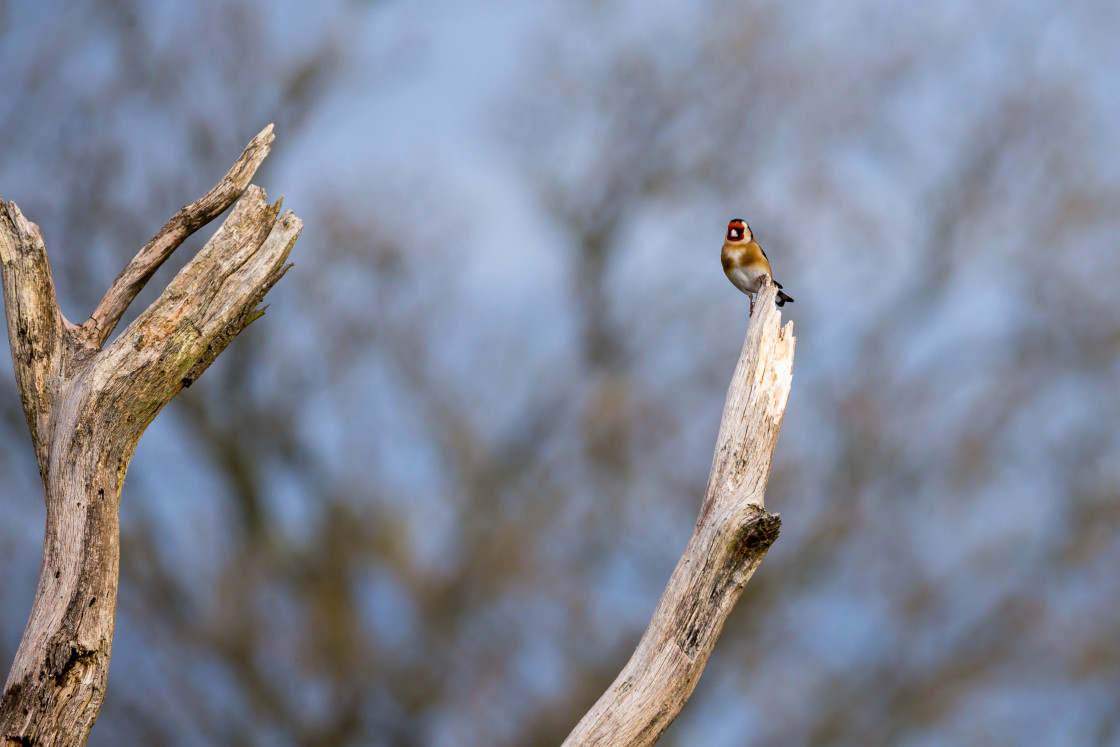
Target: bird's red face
[738, 230]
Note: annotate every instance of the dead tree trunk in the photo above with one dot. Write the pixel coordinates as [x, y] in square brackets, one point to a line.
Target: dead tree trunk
[87, 405]
[732, 535]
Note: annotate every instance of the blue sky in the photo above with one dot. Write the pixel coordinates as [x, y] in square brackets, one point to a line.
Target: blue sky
[843, 131]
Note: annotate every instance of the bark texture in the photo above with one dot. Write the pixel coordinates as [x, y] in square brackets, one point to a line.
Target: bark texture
[731, 537]
[87, 404]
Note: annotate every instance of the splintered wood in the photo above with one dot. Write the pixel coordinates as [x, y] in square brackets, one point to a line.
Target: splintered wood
[732, 535]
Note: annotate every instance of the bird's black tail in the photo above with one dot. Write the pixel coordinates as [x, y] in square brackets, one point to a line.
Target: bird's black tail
[783, 299]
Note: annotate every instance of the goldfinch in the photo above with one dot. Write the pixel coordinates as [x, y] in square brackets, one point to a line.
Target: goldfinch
[745, 263]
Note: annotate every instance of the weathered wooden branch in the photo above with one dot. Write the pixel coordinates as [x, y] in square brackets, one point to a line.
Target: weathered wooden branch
[87, 407]
[731, 537]
[160, 247]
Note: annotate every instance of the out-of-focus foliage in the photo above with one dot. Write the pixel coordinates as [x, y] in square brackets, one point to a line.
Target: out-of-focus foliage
[415, 506]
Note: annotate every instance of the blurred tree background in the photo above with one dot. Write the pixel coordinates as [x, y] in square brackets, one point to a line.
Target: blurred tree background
[433, 497]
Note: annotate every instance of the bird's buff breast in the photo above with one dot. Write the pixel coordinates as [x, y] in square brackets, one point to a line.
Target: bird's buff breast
[744, 277]
[745, 280]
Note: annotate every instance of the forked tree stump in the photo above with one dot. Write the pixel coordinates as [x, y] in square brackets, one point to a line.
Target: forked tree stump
[87, 404]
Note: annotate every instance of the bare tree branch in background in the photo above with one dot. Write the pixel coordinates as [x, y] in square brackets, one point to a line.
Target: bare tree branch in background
[280, 584]
[87, 408]
[732, 536]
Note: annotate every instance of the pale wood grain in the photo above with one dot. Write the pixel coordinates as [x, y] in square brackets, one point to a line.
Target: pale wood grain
[160, 247]
[86, 409]
[731, 537]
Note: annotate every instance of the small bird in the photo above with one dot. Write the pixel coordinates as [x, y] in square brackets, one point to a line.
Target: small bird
[745, 264]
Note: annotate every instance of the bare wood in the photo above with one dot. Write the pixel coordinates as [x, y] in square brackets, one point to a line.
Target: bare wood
[160, 247]
[87, 409]
[36, 327]
[731, 537]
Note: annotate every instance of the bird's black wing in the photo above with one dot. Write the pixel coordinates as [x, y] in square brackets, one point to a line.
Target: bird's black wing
[768, 262]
